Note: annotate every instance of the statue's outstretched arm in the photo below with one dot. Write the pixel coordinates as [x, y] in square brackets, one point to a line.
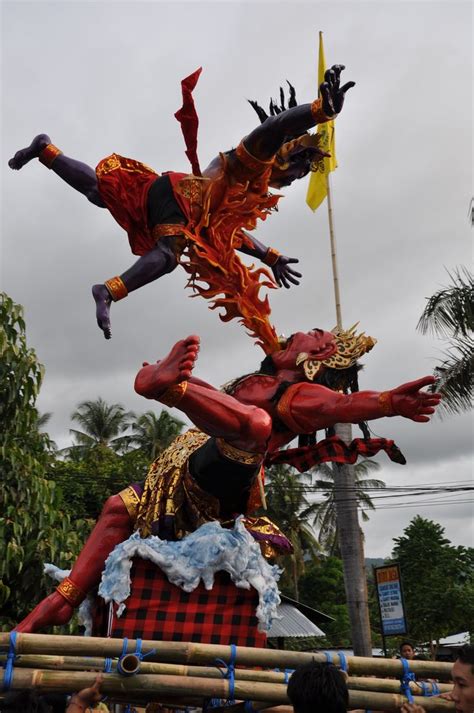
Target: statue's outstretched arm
[307, 407]
[279, 264]
[264, 141]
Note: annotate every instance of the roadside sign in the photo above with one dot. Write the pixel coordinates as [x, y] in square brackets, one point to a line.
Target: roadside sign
[389, 594]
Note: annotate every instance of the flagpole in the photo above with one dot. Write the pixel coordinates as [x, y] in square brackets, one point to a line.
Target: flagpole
[332, 238]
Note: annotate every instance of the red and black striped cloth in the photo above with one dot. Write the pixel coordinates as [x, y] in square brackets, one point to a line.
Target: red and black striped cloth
[157, 609]
[334, 449]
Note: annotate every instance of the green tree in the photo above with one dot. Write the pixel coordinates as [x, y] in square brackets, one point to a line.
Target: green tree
[322, 587]
[86, 482]
[33, 529]
[325, 515]
[289, 508]
[437, 579]
[152, 434]
[102, 424]
[449, 314]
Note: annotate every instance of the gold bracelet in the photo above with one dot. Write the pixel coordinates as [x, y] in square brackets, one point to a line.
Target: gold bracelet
[172, 396]
[271, 257]
[318, 113]
[48, 154]
[116, 288]
[385, 402]
[71, 592]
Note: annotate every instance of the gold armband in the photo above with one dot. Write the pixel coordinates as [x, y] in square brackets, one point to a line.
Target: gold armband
[249, 161]
[271, 257]
[172, 396]
[318, 114]
[163, 229]
[116, 288]
[237, 454]
[385, 402]
[71, 592]
[284, 411]
[48, 154]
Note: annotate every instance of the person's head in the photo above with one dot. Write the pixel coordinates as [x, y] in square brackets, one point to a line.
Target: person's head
[318, 688]
[316, 345]
[463, 679]
[321, 355]
[294, 161]
[407, 650]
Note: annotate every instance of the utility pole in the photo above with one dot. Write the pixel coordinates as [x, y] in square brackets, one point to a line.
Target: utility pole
[351, 546]
[351, 543]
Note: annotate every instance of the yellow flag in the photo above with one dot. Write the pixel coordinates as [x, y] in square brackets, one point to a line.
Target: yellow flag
[317, 188]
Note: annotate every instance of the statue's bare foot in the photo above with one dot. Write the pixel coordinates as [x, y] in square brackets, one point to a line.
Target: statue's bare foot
[103, 301]
[32, 151]
[154, 379]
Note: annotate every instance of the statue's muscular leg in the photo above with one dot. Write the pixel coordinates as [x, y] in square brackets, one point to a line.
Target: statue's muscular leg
[154, 264]
[113, 526]
[76, 174]
[218, 414]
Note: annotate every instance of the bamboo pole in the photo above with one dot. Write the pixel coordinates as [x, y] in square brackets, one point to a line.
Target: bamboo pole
[332, 239]
[84, 663]
[143, 687]
[390, 685]
[88, 663]
[193, 653]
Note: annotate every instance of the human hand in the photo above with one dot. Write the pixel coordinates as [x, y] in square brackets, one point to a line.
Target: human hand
[412, 708]
[332, 93]
[89, 696]
[410, 402]
[284, 274]
[446, 696]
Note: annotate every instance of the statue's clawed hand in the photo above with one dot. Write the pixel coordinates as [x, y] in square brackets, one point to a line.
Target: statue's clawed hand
[332, 93]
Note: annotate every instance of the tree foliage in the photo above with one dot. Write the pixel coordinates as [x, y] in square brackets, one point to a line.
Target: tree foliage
[449, 313]
[437, 579]
[289, 508]
[33, 529]
[102, 423]
[152, 434]
[325, 514]
[322, 587]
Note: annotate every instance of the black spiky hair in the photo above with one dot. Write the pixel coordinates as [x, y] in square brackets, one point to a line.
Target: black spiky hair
[274, 107]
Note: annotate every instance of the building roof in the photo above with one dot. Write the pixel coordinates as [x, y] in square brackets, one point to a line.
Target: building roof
[293, 623]
[317, 617]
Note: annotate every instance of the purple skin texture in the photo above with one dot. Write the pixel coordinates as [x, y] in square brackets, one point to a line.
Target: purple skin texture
[263, 143]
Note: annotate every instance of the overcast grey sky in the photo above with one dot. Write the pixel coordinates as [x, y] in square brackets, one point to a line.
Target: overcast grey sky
[105, 76]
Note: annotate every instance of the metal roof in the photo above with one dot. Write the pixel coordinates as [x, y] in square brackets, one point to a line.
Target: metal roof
[293, 624]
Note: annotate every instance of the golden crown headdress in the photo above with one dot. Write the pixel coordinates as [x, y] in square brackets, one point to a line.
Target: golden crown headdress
[350, 347]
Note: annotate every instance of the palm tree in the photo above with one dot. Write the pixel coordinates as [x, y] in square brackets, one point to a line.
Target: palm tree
[325, 513]
[288, 506]
[102, 423]
[449, 314]
[152, 434]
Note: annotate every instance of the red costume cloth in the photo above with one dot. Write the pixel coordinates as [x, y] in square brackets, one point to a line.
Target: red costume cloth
[157, 609]
[123, 185]
[334, 449]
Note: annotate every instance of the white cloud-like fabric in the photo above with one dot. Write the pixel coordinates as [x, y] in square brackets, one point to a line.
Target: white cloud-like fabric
[197, 557]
